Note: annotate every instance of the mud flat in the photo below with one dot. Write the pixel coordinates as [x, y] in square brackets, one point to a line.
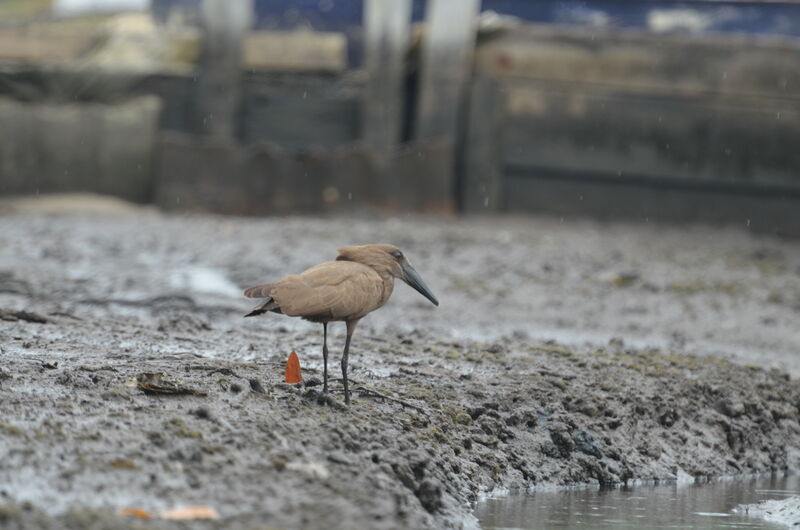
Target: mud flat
[129, 378]
[784, 512]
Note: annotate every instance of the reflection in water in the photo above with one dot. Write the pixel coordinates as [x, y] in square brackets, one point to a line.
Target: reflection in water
[670, 506]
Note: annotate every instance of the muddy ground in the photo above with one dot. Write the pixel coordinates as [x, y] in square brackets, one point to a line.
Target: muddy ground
[783, 512]
[563, 352]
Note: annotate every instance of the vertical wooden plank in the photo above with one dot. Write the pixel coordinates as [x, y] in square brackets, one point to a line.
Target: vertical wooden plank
[219, 85]
[481, 150]
[447, 51]
[387, 28]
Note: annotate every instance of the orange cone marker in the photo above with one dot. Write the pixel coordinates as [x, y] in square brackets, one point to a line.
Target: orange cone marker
[293, 369]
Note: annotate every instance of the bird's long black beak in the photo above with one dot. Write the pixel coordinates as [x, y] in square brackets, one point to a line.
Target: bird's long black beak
[413, 279]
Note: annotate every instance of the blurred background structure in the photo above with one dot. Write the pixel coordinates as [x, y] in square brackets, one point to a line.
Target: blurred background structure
[658, 109]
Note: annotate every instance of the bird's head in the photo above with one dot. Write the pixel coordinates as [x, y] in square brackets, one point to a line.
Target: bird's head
[387, 260]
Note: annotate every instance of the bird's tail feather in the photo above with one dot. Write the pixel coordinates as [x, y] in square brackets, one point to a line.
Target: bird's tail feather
[268, 305]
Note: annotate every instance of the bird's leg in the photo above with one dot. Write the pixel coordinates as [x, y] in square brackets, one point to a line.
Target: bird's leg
[344, 368]
[351, 326]
[325, 357]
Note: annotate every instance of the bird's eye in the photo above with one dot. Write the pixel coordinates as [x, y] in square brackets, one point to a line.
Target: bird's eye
[397, 254]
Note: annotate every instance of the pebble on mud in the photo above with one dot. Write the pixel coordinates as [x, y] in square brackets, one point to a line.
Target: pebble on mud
[256, 387]
[731, 408]
[462, 418]
[562, 441]
[585, 443]
[429, 494]
[203, 413]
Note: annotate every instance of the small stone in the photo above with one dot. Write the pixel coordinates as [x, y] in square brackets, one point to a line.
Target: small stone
[462, 418]
[495, 348]
[731, 408]
[203, 413]
[429, 494]
[625, 279]
[476, 412]
[256, 387]
[559, 434]
[312, 381]
[585, 443]
[339, 458]
[668, 417]
[616, 343]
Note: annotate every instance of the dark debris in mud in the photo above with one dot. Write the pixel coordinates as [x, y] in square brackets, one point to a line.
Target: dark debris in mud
[28, 316]
[154, 383]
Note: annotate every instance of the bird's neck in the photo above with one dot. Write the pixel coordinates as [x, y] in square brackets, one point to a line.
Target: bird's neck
[383, 271]
[388, 287]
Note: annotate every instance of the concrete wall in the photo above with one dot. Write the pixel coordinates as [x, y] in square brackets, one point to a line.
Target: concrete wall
[51, 147]
[194, 174]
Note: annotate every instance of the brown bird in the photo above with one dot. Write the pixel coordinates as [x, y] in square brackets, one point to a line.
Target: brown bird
[360, 281]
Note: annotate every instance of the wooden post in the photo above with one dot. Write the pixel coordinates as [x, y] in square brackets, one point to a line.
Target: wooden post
[447, 51]
[386, 25]
[219, 85]
[481, 156]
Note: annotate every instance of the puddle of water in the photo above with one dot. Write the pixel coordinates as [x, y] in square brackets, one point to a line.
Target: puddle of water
[707, 506]
[197, 279]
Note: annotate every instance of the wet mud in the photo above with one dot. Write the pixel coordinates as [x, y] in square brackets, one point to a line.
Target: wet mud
[783, 512]
[562, 353]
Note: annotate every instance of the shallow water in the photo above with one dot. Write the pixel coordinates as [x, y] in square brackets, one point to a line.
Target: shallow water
[707, 506]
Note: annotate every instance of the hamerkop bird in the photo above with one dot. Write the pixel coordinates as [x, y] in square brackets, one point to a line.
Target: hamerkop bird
[360, 281]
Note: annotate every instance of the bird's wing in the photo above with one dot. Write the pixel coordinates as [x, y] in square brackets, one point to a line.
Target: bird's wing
[334, 290]
[259, 291]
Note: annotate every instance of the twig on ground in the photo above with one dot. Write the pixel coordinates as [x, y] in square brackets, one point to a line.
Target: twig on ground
[11, 315]
[375, 393]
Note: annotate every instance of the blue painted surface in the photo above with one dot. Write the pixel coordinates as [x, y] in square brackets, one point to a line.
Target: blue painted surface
[780, 18]
[757, 18]
[746, 17]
